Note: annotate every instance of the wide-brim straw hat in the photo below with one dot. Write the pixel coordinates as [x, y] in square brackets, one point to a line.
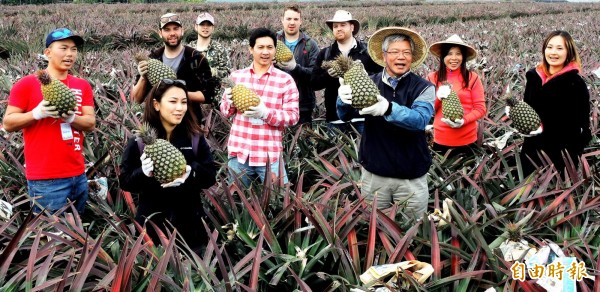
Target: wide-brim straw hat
[344, 16]
[376, 40]
[453, 40]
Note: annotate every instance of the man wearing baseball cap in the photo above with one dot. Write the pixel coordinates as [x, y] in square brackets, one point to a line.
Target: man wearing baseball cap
[344, 28]
[55, 169]
[393, 153]
[189, 64]
[217, 55]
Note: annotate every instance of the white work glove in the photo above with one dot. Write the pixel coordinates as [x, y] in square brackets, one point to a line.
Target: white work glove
[44, 110]
[258, 112]
[345, 92]
[142, 68]
[180, 180]
[456, 124]
[332, 73]
[429, 128]
[69, 116]
[228, 97]
[378, 109]
[147, 165]
[287, 66]
[443, 92]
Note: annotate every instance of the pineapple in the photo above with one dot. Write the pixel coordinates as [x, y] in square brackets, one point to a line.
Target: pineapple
[169, 162]
[452, 109]
[282, 52]
[364, 90]
[515, 232]
[56, 93]
[524, 117]
[242, 96]
[157, 71]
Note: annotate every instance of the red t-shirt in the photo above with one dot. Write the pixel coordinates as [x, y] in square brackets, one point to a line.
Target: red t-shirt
[51, 151]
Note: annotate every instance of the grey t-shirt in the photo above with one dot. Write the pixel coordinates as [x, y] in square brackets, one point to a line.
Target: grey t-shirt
[173, 62]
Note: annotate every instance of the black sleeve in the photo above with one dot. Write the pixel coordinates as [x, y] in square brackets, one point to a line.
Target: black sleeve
[304, 73]
[371, 67]
[320, 78]
[528, 95]
[206, 83]
[583, 111]
[131, 177]
[204, 170]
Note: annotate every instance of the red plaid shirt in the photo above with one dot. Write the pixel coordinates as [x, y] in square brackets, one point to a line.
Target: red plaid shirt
[257, 139]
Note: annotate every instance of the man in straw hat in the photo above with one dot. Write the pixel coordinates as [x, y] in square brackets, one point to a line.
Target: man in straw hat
[393, 150]
[344, 28]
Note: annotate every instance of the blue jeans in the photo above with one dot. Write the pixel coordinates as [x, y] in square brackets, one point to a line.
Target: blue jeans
[53, 193]
[247, 173]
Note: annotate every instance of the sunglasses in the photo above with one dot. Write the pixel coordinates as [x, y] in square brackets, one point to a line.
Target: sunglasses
[169, 19]
[168, 81]
[65, 32]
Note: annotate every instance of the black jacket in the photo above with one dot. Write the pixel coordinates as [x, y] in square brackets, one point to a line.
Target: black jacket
[305, 55]
[321, 79]
[563, 104]
[182, 205]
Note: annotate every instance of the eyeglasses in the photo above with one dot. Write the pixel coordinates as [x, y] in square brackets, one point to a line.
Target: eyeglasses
[65, 32]
[168, 81]
[395, 54]
[169, 19]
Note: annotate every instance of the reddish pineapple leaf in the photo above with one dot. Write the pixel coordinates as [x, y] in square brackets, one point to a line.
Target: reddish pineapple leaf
[372, 236]
[256, 262]
[435, 252]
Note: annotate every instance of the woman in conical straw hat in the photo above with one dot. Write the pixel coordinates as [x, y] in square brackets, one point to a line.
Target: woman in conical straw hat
[457, 135]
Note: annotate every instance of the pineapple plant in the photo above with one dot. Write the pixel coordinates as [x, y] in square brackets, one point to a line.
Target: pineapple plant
[169, 162]
[524, 117]
[56, 93]
[242, 96]
[452, 109]
[515, 232]
[364, 90]
[282, 52]
[157, 70]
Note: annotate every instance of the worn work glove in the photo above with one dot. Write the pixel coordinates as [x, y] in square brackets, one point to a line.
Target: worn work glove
[69, 116]
[345, 92]
[443, 92]
[332, 73]
[258, 112]
[180, 180]
[378, 109]
[147, 165]
[142, 68]
[287, 66]
[44, 110]
[535, 132]
[456, 124]
[228, 97]
[429, 128]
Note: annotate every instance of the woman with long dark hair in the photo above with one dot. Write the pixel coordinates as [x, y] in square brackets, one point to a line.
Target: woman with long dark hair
[459, 135]
[178, 203]
[559, 95]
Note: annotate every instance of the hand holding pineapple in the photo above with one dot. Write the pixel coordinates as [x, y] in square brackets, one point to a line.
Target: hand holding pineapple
[454, 124]
[69, 116]
[378, 109]
[44, 110]
[345, 92]
[147, 165]
[443, 92]
[180, 180]
[229, 97]
[523, 123]
[142, 68]
[286, 65]
[259, 111]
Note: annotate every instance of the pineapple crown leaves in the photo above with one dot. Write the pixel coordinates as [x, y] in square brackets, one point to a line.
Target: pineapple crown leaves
[227, 83]
[341, 62]
[44, 77]
[146, 133]
[140, 56]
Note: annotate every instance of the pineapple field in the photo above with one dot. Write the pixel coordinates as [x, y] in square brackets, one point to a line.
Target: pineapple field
[316, 233]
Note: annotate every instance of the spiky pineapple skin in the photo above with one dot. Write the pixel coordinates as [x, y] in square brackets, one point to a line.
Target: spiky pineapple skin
[364, 90]
[523, 116]
[242, 96]
[452, 109]
[169, 162]
[157, 70]
[282, 52]
[57, 93]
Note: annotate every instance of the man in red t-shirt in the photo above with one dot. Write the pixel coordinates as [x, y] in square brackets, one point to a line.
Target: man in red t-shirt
[54, 164]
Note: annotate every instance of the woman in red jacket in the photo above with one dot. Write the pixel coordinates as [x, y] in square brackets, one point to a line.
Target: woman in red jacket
[458, 135]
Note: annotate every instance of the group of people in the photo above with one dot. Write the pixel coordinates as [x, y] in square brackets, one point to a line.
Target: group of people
[394, 152]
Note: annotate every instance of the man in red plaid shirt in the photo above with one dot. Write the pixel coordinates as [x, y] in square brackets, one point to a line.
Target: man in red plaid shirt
[256, 134]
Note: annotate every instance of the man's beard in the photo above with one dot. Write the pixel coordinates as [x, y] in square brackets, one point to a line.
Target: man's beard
[175, 45]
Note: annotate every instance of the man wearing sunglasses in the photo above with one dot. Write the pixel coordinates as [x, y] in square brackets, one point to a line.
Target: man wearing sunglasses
[189, 65]
[55, 167]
